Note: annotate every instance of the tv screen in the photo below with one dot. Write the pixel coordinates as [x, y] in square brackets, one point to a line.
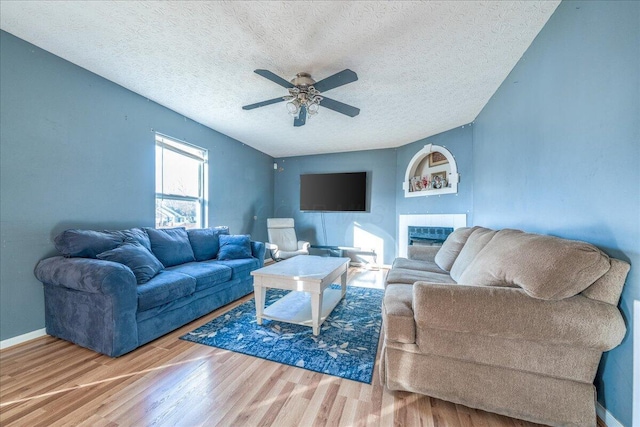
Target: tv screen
[334, 192]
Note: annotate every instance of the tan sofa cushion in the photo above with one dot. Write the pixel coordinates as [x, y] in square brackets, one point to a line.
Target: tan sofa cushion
[422, 253]
[451, 247]
[477, 240]
[545, 267]
[409, 277]
[412, 264]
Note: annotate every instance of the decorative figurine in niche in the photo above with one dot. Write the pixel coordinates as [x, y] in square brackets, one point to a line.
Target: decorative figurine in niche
[425, 182]
[439, 180]
[416, 184]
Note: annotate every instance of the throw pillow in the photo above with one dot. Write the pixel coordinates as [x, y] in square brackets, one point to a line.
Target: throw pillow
[205, 242]
[136, 235]
[135, 256]
[86, 243]
[451, 247]
[170, 245]
[476, 241]
[234, 247]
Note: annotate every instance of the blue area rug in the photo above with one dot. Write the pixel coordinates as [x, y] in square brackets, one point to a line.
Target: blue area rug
[346, 346]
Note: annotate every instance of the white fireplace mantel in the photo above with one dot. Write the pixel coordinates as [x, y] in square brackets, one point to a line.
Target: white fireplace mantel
[426, 220]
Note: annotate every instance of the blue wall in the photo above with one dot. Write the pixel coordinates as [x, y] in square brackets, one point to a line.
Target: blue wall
[79, 151]
[380, 221]
[557, 151]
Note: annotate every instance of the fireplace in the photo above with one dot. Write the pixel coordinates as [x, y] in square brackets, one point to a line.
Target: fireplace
[425, 220]
[428, 236]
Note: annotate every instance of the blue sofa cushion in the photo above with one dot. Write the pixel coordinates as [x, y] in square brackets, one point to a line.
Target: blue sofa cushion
[207, 274]
[86, 243]
[135, 256]
[241, 268]
[136, 235]
[164, 288]
[204, 241]
[170, 245]
[234, 247]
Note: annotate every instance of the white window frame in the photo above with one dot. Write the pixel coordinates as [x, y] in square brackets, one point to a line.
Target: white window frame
[188, 150]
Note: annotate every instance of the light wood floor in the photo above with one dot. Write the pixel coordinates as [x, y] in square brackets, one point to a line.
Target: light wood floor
[170, 382]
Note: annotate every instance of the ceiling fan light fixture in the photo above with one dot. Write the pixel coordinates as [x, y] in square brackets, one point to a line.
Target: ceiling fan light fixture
[293, 107]
[313, 108]
[303, 96]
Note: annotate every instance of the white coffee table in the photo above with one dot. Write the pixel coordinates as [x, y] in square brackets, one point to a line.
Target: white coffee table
[308, 277]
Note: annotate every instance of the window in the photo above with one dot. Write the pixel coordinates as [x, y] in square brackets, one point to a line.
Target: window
[180, 184]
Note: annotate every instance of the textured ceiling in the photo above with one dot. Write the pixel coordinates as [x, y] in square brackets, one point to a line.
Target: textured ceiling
[423, 67]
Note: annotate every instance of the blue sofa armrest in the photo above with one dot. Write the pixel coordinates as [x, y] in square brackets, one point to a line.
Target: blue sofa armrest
[86, 274]
[90, 302]
[258, 251]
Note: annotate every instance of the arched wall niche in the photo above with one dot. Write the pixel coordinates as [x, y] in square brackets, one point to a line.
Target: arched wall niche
[432, 171]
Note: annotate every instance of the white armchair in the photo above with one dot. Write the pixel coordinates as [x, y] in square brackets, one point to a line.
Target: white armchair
[283, 242]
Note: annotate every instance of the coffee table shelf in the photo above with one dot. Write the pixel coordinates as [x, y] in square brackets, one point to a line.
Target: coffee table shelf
[295, 307]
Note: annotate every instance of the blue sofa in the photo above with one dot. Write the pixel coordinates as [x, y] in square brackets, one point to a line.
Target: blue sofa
[113, 291]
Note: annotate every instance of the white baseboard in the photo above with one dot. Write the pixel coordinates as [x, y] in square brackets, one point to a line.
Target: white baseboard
[606, 416]
[22, 338]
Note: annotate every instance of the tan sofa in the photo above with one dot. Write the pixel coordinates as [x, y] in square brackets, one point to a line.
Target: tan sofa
[505, 321]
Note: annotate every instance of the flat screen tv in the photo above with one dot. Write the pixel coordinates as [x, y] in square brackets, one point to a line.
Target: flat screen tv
[334, 192]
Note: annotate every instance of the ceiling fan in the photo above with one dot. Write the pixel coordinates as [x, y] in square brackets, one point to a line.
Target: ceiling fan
[305, 94]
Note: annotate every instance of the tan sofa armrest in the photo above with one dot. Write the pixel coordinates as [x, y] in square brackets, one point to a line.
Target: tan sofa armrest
[422, 253]
[397, 314]
[510, 313]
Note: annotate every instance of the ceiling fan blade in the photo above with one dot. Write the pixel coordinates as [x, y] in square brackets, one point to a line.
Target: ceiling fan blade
[340, 107]
[274, 78]
[338, 79]
[302, 117]
[263, 103]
